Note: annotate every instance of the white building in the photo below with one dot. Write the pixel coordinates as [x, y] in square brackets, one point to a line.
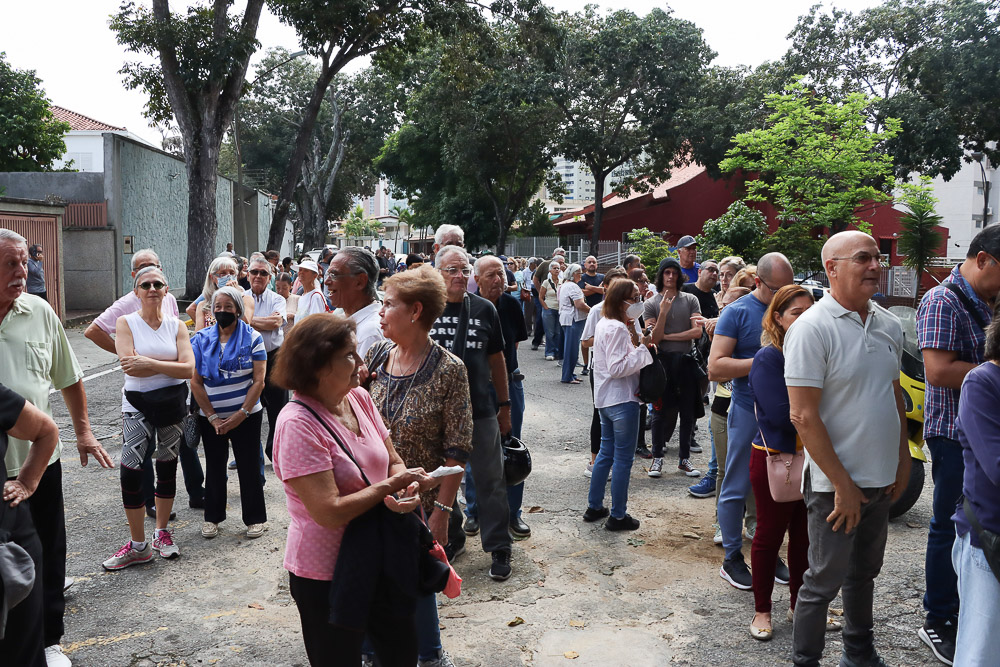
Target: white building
[85, 141]
[381, 203]
[580, 184]
[960, 204]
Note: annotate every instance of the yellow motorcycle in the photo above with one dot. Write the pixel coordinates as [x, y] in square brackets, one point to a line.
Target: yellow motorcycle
[911, 379]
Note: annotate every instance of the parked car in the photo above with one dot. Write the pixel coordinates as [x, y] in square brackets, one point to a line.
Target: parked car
[817, 288]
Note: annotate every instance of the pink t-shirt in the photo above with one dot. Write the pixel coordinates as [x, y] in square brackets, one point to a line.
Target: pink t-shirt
[302, 446]
[127, 305]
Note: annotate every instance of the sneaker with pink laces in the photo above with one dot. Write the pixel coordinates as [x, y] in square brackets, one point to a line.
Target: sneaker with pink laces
[128, 555]
[163, 542]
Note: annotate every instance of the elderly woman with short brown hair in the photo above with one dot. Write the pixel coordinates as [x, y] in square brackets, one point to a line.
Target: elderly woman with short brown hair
[422, 392]
[336, 459]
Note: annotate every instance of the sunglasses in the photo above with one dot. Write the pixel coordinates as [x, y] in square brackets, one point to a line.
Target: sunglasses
[259, 272]
[157, 285]
[860, 258]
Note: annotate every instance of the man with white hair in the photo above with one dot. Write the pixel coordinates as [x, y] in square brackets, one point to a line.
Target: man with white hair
[269, 319]
[351, 282]
[470, 329]
[842, 360]
[448, 235]
[34, 354]
[100, 333]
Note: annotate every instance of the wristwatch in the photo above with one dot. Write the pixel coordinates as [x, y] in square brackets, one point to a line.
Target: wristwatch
[245, 413]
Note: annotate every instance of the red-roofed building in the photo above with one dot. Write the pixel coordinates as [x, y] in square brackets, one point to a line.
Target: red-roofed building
[85, 141]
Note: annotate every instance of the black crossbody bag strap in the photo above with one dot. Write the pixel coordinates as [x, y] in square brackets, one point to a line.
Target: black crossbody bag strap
[336, 439]
[967, 302]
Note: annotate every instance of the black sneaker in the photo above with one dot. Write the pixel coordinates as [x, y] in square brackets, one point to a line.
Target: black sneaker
[627, 522]
[453, 552]
[643, 453]
[592, 515]
[872, 660]
[781, 572]
[471, 526]
[151, 513]
[940, 637]
[519, 530]
[586, 371]
[735, 571]
[501, 570]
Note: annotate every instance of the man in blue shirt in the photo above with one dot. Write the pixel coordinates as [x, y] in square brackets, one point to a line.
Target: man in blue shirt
[737, 339]
[687, 251]
[951, 341]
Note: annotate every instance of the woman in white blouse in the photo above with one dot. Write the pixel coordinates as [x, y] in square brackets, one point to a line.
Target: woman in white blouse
[619, 355]
[312, 300]
[572, 316]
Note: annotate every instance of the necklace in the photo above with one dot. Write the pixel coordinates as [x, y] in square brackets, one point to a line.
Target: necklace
[395, 415]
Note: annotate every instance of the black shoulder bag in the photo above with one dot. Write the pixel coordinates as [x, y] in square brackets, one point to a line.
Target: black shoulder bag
[967, 302]
[988, 540]
[380, 551]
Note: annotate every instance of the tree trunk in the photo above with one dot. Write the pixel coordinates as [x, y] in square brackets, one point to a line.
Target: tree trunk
[502, 239]
[293, 171]
[595, 235]
[203, 224]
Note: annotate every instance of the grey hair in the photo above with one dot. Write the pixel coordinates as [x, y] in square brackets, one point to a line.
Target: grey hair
[448, 231]
[559, 251]
[11, 236]
[533, 262]
[140, 253]
[451, 250]
[258, 258]
[363, 261]
[148, 270]
[482, 262]
[219, 263]
[234, 295]
[571, 270]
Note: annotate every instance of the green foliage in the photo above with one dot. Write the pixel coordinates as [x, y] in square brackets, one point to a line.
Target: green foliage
[816, 161]
[933, 63]
[622, 81]
[719, 252]
[31, 139]
[650, 247]
[358, 226]
[535, 221]
[802, 246]
[919, 240]
[740, 230]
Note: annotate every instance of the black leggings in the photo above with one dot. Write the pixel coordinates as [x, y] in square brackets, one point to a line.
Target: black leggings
[394, 639]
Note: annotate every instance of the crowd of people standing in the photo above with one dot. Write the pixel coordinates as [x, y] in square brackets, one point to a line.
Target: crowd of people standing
[390, 390]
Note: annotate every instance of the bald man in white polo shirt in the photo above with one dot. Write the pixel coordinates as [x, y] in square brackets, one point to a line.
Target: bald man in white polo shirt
[842, 370]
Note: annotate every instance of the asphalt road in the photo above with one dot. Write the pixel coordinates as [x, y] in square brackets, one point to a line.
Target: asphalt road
[585, 596]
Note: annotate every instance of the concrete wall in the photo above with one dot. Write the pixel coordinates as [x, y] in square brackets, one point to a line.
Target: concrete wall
[72, 187]
[89, 269]
[147, 197]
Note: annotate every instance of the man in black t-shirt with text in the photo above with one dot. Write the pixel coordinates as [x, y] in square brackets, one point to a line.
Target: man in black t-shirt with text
[475, 319]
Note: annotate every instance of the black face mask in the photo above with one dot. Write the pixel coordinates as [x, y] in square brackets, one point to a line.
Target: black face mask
[224, 319]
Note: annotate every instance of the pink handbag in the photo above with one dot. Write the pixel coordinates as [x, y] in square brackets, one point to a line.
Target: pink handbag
[784, 476]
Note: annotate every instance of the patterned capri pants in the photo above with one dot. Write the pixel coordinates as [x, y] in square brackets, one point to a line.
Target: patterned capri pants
[138, 437]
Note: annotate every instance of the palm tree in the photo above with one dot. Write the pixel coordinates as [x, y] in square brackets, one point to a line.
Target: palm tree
[919, 240]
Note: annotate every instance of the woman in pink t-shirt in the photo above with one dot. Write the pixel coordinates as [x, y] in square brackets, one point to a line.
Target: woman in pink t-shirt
[325, 490]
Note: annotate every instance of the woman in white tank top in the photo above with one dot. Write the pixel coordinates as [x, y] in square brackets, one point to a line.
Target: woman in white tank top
[155, 353]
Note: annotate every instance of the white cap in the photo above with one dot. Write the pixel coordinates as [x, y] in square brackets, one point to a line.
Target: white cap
[310, 265]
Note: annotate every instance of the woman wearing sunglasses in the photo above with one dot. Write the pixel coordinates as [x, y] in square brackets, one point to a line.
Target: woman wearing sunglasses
[156, 357]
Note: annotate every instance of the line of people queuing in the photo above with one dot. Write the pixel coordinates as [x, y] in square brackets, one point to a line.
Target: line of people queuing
[444, 387]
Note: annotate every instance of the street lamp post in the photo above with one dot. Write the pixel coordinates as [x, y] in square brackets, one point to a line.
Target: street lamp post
[239, 152]
[981, 159]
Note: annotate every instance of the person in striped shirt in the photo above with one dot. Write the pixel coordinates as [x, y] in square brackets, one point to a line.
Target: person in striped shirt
[230, 362]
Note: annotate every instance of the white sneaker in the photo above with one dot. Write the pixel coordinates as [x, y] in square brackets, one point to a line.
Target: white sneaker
[589, 470]
[54, 657]
[256, 530]
[209, 529]
[67, 582]
[656, 468]
[718, 534]
[163, 542]
[749, 532]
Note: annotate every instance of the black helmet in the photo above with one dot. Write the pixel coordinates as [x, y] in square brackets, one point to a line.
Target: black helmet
[516, 460]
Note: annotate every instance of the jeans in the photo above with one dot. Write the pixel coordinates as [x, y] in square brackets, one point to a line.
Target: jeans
[735, 486]
[840, 561]
[539, 324]
[571, 349]
[948, 470]
[553, 334]
[720, 442]
[248, 460]
[618, 427]
[428, 628]
[978, 642]
[773, 521]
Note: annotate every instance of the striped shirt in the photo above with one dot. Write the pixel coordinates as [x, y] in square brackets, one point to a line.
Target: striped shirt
[228, 393]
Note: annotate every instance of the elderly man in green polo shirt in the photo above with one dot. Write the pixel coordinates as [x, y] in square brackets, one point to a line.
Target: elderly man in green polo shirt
[34, 354]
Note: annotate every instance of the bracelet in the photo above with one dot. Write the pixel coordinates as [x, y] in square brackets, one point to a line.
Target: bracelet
[213, 417]
[245, 413]
[443, 507]
[504, 404]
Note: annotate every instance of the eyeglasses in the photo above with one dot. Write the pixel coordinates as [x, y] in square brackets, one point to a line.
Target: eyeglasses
[773, 289]
[258, 272]
[337, 276]
[860, 258]
[452, 271]
[146, 266]
[710, 269]
[154, 285]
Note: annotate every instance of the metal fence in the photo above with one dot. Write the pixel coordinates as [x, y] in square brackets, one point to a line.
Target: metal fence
[88, 215]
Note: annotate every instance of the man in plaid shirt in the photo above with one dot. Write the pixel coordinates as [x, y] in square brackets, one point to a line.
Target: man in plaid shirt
[952, 345]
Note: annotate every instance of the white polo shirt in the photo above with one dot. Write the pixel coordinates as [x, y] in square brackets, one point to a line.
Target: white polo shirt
[855, 365]
[264, 304]
[369, 325]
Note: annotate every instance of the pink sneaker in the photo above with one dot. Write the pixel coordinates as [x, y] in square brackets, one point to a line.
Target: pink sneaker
[164, 543]
[127, 555]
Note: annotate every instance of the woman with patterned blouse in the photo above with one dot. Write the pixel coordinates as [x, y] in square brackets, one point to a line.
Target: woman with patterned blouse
[422, 392]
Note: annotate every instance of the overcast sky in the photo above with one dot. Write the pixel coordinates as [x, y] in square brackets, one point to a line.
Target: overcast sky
[69, 45]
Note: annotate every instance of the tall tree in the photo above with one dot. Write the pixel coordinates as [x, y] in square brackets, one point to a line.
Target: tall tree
[816, 161]
[336, 33]
[621, 82]
[740, 229]
[31, 139]
[202, 61]
[919, 239]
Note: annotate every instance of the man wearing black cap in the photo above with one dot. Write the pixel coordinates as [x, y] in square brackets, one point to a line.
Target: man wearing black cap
[687, 250]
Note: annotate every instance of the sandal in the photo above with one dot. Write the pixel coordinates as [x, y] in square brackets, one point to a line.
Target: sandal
[573, 381]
